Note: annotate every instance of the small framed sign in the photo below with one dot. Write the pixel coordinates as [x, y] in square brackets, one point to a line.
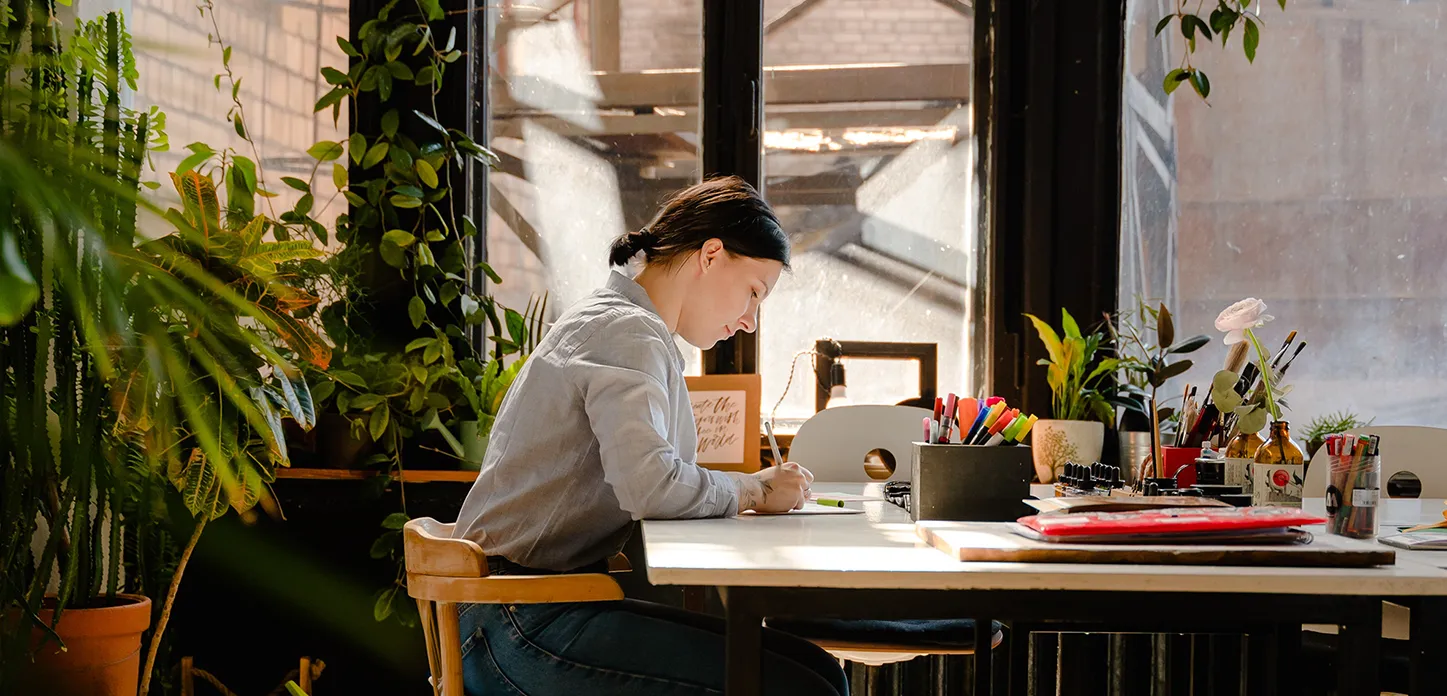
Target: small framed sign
[726, 412]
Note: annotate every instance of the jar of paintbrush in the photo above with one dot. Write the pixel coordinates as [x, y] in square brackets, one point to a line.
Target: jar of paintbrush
[1353, 485]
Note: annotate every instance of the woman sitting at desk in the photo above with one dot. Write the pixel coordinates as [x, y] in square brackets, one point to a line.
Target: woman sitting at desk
[598, 432]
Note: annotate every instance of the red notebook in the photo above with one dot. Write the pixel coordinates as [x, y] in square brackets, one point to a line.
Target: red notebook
[1184, 521]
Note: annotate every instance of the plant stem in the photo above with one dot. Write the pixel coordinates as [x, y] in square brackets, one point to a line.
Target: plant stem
[1266, 375]
[155, 645]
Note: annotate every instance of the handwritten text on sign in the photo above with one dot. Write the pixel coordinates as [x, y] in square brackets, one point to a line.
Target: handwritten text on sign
[720, 419]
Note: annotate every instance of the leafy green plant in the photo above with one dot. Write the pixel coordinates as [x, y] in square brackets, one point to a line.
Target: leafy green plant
[1225, 18]
[1331, 424]
[126, 368]
[1145, 342]
[1079, 384]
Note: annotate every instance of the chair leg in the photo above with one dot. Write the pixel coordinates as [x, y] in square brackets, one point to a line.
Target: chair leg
[429, 634]
[188, 678]
[449, 649]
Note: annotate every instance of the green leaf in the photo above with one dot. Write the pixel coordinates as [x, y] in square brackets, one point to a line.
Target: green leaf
[357, 146]
[491, 274]
[1201, 83]
[1165, 327]
[304, 205]
[381, 548]
[363, 402]
[332, 98]
[394, 256]
[1174, 79]
[378, 423]
[1254, 421]
[347, 48]
[296, 183]
[18, 290]
[401, 238]
[389, 123]
[1251, 40]
[435, 236]
[1190, 345]
[1165, 22]
[1067, 322]
[433, 9]
[324, 391]
[191, 161]
[400, 71]
[416, 311]
[334, 76]
[402, 158]
[431, 122]
[384, 85]
[348, 378]
[418, 343]
[432, 353]
[375, 155]
[396, 520]
[1169, 371]
[1050, 339]
[226, 56]
[516, 326]
[240, 127]
[339, 176]
[325, 150]
[452, 56]
[1282, 3]
[426, 173]
[298, 400]
[406, 202]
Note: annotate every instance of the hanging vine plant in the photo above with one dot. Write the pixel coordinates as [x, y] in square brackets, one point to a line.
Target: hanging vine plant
[1226, 18]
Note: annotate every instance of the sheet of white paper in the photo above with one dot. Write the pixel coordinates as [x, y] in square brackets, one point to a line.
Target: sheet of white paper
[811, 509]
[846, 497]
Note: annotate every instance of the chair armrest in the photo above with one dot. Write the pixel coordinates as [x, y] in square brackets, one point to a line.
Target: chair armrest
[515, 589]
[619, 564]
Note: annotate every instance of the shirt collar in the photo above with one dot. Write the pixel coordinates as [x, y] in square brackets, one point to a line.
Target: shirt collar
[633, 292]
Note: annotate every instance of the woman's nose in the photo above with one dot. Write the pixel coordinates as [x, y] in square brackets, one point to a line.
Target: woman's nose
[748, 321]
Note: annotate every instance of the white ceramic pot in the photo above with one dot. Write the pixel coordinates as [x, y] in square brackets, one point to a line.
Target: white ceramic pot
[1053, 443]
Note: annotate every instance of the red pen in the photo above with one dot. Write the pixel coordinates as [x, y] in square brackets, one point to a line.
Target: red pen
[927, 428]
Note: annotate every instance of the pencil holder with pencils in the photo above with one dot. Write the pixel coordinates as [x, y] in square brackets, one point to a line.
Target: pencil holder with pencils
[1352, 492]
[970, 483]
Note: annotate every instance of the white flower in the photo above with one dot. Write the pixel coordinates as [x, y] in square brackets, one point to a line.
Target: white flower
[1246, 314]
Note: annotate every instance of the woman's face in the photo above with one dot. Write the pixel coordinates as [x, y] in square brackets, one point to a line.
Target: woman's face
[725, 294]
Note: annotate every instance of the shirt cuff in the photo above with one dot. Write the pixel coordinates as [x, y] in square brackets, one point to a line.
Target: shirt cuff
[724, 498]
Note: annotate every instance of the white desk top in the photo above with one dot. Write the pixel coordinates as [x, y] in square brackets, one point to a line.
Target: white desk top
[880, 550]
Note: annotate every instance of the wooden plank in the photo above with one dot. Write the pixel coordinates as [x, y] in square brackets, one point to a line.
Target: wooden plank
[408, 476]
[864, 83]
[994, 542]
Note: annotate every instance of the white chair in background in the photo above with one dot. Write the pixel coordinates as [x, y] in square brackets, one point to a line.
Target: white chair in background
[836, 443]
[1406, 449]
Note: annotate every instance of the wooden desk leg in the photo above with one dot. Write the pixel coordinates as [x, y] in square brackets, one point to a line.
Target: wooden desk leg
[744, 652]
[1359, 649]
[1287, 662]
[984, 639]
[1429, 645]
[1019, 652]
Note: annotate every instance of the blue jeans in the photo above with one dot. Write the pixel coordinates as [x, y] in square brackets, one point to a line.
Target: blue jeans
[623, 648]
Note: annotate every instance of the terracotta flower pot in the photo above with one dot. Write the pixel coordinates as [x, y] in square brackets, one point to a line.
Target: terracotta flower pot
[102, 655]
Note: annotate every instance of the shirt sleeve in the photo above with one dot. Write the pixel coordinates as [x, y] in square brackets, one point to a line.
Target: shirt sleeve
[620, 373]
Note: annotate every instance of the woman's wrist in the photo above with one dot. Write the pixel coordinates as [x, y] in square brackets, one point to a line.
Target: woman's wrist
[752, 493]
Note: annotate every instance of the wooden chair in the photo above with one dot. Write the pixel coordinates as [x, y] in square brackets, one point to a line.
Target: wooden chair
[443, 572]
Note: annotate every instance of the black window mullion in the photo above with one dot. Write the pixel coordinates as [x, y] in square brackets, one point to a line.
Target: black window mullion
[732, 128]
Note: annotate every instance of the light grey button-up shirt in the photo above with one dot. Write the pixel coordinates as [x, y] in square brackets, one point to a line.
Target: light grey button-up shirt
[596, 432]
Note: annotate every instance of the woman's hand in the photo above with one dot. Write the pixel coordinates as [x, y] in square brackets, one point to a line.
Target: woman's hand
[775, 489]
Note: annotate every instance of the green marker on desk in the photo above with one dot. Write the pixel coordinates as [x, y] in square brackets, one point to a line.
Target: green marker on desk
[830, 503]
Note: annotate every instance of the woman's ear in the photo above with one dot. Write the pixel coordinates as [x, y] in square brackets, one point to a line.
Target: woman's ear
[710, 253]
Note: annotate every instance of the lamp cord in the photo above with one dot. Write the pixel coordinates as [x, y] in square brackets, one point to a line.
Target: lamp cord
[793, 365]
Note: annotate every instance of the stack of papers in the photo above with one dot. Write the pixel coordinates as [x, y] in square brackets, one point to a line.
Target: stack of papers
[1172, 525]
[1424, 540]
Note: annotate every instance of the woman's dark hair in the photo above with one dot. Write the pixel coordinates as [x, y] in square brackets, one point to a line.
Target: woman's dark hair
[726, 208]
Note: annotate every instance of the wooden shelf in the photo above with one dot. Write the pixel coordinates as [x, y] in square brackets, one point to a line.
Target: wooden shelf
[408, 476]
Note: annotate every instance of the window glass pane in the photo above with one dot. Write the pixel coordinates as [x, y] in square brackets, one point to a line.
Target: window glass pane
[278, 49]
[1313, 181]
[595, 114]
[868, 162]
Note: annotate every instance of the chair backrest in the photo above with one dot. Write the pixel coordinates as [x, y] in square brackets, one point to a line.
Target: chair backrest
[1414, 449]
[835, 443]
[430, 550]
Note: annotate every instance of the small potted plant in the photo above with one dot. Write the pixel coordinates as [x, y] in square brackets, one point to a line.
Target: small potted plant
[1079, 388]
[1144, 362]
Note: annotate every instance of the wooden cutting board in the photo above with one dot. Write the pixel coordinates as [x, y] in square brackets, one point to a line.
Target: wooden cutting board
[994, 541]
